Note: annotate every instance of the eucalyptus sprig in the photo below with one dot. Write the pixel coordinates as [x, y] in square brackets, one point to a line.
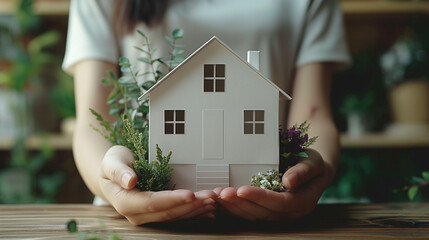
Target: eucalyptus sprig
[131, 128]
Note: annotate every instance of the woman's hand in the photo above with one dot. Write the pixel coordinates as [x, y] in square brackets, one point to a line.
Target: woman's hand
[305, 182]
[117, 184]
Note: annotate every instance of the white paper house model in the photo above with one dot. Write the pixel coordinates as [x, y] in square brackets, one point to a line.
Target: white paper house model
[219, 117]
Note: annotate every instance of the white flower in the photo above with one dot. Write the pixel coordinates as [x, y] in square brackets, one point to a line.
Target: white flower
[275, 182]
[388, 62]
[403, 52]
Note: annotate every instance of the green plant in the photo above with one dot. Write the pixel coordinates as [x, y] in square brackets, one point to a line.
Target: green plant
[407, 59]
[131, 128]
[293, 143]
[354, 103]
[416, 183]
[102, 234]
[23, 181]
[27, 56]
[271, 180]
[62, 96]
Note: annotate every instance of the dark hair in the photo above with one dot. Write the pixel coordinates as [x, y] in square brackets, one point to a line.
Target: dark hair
[129, 12]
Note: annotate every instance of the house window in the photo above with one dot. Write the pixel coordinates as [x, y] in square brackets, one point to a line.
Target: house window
[214, 77]
[254, 121]
[174, 121]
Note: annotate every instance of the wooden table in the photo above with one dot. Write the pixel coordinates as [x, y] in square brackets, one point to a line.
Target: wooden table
[383, 221]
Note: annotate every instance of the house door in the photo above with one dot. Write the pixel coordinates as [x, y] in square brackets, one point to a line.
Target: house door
[213, 134]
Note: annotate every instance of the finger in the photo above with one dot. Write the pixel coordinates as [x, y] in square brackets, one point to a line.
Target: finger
[235, 210]
[252, 210]
[116, 167]
[218, 190]
[211, 215]
[187, 210]
[207, 208]
[305, 170]
[228, 193]
[274, 201]
[206, 194]
[130, 202]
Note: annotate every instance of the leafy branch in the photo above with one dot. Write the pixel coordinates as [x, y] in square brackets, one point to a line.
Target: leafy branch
[416, 183]
[131, 128]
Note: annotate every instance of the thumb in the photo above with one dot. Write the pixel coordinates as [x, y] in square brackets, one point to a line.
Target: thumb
[116, 166]
[305, 170]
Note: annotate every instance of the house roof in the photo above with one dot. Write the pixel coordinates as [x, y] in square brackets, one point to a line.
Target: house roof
[213, 39]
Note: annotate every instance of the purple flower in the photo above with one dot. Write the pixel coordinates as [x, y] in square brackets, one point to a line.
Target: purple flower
[292, 133]
[303, 140]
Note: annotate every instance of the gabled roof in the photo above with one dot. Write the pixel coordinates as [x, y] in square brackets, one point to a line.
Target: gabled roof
[213, 39]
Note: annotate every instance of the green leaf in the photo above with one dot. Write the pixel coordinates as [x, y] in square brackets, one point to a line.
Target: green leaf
[115, 111]
[178, 51]
[72, 226]
[142, 34]
[112, 75]
[178, 59]
[425, 175]
[155, 60]
[106, 82]
[143, 59]
[177, 33]
[126, 69]
[417, 180]
[125, 79]
[148, 84]
[168, 39]
[141, 49]
[115, 237]
[286, 155]
[412, 192]
[123, 61]
[302, 155]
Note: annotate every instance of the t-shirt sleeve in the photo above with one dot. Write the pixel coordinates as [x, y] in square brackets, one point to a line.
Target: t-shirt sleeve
[323, 38]
[90, 33]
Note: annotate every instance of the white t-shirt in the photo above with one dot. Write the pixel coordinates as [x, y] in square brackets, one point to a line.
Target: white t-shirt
[288, 33]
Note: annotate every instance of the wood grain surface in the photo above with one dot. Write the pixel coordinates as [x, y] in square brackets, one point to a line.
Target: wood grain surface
[372, 221]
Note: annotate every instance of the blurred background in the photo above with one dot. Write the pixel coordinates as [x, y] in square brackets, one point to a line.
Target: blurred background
[380, 104]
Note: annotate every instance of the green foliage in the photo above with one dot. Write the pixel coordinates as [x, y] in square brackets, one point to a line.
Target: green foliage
[102, 234]
[271, 180]
[131, 128]
[29, 57]
[412, 192]
[23, 181]
[154, 175]
[62, 96]
[358, 103]
[416, 184]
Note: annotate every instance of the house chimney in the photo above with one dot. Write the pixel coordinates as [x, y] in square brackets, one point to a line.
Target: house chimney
[253, 58]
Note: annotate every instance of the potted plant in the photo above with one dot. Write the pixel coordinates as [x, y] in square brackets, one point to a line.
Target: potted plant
[406, 74]
[356, 108]
[24, 61]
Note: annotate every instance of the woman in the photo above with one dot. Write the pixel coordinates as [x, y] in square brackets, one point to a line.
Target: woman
[302, 43]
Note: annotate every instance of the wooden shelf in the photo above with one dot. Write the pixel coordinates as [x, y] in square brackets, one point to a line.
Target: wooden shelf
[56, 141]
[350, 7]
[356, 7]
[46, 8]
[383, 141]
